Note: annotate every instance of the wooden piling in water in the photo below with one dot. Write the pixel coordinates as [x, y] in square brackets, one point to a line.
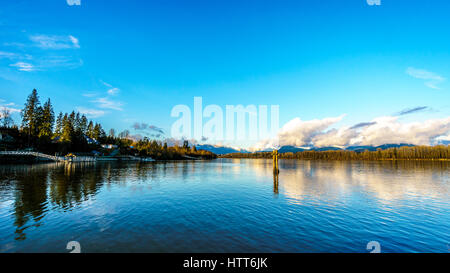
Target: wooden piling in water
[275, 162]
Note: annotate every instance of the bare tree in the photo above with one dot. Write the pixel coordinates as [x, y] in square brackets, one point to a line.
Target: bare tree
[5, 118]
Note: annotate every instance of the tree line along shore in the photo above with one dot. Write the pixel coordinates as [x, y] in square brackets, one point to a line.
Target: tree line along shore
[73, 133]
[440, 152]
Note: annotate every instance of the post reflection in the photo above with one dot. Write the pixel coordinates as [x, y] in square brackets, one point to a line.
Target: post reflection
[275, 183]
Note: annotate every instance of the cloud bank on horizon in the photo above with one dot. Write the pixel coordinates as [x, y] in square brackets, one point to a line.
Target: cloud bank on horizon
[381, 130]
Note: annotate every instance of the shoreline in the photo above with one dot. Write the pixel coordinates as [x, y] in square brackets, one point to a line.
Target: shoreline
[343, 160]
[20, 160]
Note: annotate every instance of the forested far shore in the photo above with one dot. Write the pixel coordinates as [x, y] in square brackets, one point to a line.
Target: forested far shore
[440, 152]
[73, 133]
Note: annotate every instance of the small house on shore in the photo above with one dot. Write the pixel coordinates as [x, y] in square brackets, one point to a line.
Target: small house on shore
[6, 134]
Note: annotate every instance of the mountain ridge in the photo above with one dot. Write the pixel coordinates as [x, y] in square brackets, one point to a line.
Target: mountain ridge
[223, 150]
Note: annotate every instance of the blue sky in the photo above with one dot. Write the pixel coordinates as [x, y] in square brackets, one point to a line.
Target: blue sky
[315, 59]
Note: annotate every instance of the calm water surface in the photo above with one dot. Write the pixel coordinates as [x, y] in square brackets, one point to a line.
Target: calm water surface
[226, 205]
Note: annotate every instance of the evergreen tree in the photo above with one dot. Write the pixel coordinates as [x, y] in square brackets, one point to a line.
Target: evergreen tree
[83, 124]
[67, 129]
[99, 133]
[112, 133]
[77, 123]
[90, 129]
[59, 124]
[72, 119]
[30, 114]
[46, 120]
[186, 145]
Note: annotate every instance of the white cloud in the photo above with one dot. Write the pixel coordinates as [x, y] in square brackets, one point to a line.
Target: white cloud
[108, 104]
[432, 79]
[381, 130]
[46, 61]
[61, 62]
[91, 113]
[22, 66]
[298, 132]
[14, 56]
[336, 137]
[113, 91]
[55, 41]
[106, 84]
[89, 95]
[390, 130]
[11, 107]
[8, 55]
[54, 62]
[74, 41]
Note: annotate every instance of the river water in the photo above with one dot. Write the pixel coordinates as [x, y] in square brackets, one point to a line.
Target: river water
[226, 205]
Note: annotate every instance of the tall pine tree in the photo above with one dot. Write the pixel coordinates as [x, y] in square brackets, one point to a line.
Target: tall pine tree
[59, 124]
[31, 114]
[46, 120]
[90, 129]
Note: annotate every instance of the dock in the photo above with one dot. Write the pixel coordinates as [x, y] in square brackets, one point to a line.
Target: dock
[71, 158]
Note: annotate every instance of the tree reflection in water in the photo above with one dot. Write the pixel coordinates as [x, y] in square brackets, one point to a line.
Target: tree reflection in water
[39, 188]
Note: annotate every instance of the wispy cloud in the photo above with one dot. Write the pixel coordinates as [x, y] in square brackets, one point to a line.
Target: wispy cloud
[432, 79]
[14, 56]
[66, 62]
[11, 106]
[112, 90]
[89, 95]
[412, 110]
[55, 41]
[91, 113]
[44, 60]
[148, 130]
[8, 55]
[48, 63]
[362, 125]
[107, 103]
[106, 84]
[22, 66]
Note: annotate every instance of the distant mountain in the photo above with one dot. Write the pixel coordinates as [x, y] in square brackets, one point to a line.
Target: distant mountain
[219, 150]
[388, 146]
[292, 149]
[444, 142]
[331, 148]
[360, 148]
[286, 149]
[374, 148]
